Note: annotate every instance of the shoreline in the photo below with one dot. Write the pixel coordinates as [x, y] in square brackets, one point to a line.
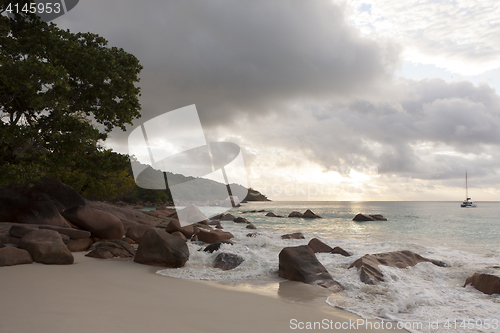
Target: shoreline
[117, 295]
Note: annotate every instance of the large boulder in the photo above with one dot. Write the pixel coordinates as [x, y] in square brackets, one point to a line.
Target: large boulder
[100, 223]
[10, 256]
[41, 212]
[308, 214]
[159, 248]
[47, 247]
[295, 214]
[127, 215]
[79, 245]
[20, 230]
[11, 199]
[110, 249]
[341, 251]
[251, 226]
[486, 283]
[213, 236]
[136, 232]
[61, 192]
[300, 264]
[227, 261]
[370, 273]
[71, 232]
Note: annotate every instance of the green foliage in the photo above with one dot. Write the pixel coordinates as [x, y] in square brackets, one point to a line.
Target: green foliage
[60, 95]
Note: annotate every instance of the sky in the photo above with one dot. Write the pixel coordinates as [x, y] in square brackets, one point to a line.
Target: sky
[328, 100]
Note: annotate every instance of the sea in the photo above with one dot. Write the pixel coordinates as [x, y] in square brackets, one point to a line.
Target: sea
[466, 239]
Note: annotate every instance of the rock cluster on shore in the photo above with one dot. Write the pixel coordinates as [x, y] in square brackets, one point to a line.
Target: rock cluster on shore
[47, 222]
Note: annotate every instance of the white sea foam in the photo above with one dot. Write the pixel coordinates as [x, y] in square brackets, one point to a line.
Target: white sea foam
[421, 293]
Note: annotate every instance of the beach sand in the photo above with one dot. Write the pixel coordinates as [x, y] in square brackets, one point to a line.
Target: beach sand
[95, 295]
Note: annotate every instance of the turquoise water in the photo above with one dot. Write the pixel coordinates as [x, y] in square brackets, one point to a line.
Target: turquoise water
[466, 239]
[426, 223]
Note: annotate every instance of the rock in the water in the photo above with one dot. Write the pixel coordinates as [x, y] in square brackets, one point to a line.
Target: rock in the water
[318, 246]
[101, 224]
[71, 232]
[251, 226]
[339, 250]
[227, 217]
[110, 249]
[240, 220]
[159, 248]
[486, 283]
[212, 236]
[295, 235]
[378, 217]
[308, 214]
[253, 234]
[216, 246]
[136, 232]
[10, 256]
[362, 218]
[79, 245]
[295, 214]
[271, 214]
[369, 272]
[41, 212]
[227, 261]
[300, 264]
[47, 247]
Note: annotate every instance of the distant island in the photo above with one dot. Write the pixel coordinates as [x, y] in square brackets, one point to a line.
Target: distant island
[254, 195]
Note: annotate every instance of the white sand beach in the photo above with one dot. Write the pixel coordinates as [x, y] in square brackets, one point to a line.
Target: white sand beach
[95, 295]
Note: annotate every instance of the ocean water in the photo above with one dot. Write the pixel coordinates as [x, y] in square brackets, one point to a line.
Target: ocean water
[467, 239]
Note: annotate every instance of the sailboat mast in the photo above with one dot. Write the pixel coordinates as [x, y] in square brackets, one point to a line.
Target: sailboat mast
[466, 187]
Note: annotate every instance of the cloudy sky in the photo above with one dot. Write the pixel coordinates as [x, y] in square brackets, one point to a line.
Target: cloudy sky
[329, 100]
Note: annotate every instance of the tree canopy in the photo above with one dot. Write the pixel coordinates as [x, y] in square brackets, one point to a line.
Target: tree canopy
[61, 93]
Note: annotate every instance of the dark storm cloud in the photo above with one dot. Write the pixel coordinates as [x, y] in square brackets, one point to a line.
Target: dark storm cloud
[238, 58]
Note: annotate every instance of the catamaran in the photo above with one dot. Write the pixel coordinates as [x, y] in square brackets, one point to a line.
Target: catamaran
[467, 202]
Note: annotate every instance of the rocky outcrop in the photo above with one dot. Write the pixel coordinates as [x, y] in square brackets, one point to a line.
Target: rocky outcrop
[61, 192]
[159, 248]
[295, 214]
[295, 235]
[300, 264]
[46, 247]
[100, 223]
[341, 251]
[10, 256]
[20, 230]
[369, 272]
[127, 215]
[40, 212]
[364, 218]
[111, 249]
[486, 283]
[227, 261]
[308, 214]
[213, 236]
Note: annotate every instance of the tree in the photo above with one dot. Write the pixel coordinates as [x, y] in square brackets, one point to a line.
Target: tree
[61, 93]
